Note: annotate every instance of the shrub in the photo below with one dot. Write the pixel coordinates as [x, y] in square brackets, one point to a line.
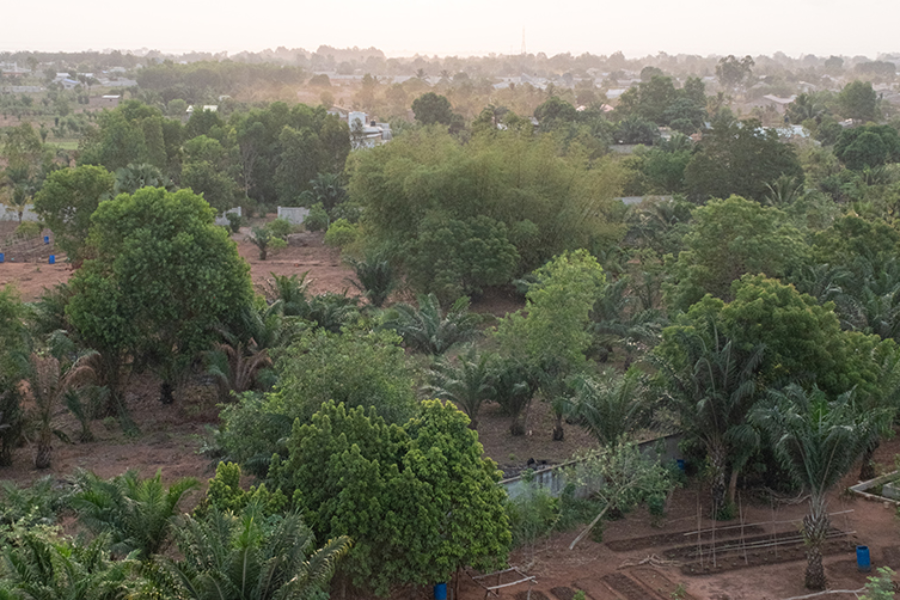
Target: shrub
[234, 222]
[317, 219]
[280, 227]
[341, 233]
[29, 229]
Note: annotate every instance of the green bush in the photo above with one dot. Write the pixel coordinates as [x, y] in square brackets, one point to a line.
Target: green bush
[317, 219]
[280, 227]
[341, 233]
[29, 229]
[234, 222]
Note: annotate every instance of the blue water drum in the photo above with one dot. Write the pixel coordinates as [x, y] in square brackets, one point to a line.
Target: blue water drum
[52, 259]
[440, 591]
[46, 239]
[863, 562]
[2, 257]
[680, 463]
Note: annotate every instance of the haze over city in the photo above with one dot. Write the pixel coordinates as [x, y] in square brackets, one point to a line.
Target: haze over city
[463, 28]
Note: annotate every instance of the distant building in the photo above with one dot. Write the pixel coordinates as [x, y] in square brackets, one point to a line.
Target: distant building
[779, 104]
[365, 133]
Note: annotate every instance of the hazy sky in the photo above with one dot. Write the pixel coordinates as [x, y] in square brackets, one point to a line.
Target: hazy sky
[461, 27]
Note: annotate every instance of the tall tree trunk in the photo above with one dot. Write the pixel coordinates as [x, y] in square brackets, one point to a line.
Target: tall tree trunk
[558, 431]
[867, 470]
[517, 427]
[815, 528]
[166, 393]
[717, 461]
[44, 452]
[732, 485]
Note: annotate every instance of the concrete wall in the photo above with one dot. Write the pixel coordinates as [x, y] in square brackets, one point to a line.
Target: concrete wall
[223, 220]
[293, 214]
[8, 213]
[554, 478]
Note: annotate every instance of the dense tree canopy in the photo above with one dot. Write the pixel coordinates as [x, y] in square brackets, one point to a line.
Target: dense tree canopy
[739, 157]
[68, 199]
[138, 294]
[727, 239]
[461, 217]
[419, 502]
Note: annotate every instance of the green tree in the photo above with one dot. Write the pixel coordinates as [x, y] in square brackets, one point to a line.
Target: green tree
[868, 146]
[420, 504]
[68, 199]
[248, 555]
[137, 514]
[431, 108]
[428, 329]
[739, 157]
[610, 407]
[138, 298]
[366, 369]
[552, 334]
[727, 239]
[818, 440]
[859, 101]
[732, 72]
[712, 384]
[41, 564]
[465, 381]
[13, 367]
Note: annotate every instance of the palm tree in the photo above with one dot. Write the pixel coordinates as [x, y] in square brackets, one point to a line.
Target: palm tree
[137, 515]
[426, 329]
[375, 278]
[817, 441]
[610, 408]
[291, 291]
[466, 381]
[250, 557]
[514, 385]
[38, 565]
[713, 387]
[49, 382]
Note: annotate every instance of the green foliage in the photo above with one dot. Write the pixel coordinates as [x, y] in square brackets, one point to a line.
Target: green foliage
[29, 229]
[419, 501]
[427, 329]
[533, 513]
[465, 381]
[234, 222]
[610, 407]
[247, 555]
[317, 219]
[459, 218]
[727, 239]
[881, 586]
[13, 366]
[41, 564]
[818, 440]
[739, 157]
[858, 100]
[137, 514]
[225, 494]
[552, 335]
[138, 295]
[366, 369]
[30, 506]
[341, 233]
[628, 477]
[431, 108]
[868, 146]
[282, 148]
[375, 276]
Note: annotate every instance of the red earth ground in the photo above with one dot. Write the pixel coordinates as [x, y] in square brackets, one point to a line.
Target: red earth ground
[171, 437]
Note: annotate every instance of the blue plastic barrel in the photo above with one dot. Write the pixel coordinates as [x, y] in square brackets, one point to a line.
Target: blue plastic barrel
[440, 591]
[680, 463]
[46, 239]
[52, 259]
[863, 562]
[2, 257]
